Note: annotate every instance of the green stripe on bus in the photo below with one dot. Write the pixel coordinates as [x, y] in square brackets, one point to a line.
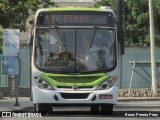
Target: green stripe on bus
[80, 80]
[74, 9]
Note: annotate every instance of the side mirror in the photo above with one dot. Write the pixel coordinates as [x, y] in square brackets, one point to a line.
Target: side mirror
[31, 22]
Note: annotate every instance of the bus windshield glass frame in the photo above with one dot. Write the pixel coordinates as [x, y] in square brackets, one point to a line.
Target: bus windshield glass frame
[70, 49]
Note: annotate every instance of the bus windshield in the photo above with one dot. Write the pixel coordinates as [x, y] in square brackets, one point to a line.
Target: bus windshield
[75, 49]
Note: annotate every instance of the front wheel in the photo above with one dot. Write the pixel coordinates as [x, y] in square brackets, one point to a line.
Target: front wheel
[43, 108]
[107, 109]
[94, 109]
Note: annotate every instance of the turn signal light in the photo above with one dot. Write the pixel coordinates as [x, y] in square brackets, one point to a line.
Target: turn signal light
[114, 78]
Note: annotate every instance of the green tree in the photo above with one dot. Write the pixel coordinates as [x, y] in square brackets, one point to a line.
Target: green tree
[14, 13]
[137, 21]
[157, 21]
[99, 3]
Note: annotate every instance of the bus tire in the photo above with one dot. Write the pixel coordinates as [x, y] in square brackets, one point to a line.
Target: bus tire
[107, 109]
[43, 108]
[94, 109]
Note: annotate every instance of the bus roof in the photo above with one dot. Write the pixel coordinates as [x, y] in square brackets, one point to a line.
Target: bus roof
[74, 9]
[103, 8]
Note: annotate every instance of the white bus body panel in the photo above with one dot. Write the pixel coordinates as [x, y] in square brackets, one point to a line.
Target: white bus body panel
[47, 96]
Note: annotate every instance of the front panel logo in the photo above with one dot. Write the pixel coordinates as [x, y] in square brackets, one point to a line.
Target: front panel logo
[74, 87]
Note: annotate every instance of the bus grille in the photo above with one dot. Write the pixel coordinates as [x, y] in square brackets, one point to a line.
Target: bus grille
[80, 87]
[74, 95]
[71, 79]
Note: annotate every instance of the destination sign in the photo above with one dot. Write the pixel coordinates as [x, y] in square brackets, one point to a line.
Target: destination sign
[75, 18]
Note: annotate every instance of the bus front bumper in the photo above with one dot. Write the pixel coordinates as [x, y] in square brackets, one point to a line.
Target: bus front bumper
[108, 96]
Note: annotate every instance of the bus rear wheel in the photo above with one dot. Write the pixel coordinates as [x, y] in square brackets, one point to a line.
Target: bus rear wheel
[43, 108]
[107, 109]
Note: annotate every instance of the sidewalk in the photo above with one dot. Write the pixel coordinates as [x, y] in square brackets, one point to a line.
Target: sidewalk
[138, 98]
[7, 104]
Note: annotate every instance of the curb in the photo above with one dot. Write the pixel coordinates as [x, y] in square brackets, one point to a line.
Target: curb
[139, 99]
[1, 95]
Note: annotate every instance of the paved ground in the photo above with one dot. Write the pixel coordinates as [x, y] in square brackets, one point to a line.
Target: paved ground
[8, 104]
[127, 105]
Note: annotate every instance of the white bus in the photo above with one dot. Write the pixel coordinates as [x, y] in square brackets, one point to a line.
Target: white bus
[75, 59]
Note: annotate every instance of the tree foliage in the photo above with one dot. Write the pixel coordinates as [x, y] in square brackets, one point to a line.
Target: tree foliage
[14, 13]
[99, 3]
[137, 21]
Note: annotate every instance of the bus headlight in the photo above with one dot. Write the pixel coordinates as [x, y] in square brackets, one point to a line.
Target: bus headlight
[107, 84]
[43, 84]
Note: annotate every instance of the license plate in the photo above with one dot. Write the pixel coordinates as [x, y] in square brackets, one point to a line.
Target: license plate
[105, 96]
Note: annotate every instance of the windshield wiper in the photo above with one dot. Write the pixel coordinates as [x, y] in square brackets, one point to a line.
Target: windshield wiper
[60, 35]
[93, 36]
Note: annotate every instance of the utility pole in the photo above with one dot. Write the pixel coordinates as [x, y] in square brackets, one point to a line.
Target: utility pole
[152, 47]
[120, 14]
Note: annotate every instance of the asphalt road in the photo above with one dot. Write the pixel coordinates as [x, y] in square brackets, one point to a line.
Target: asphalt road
[124, 110]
